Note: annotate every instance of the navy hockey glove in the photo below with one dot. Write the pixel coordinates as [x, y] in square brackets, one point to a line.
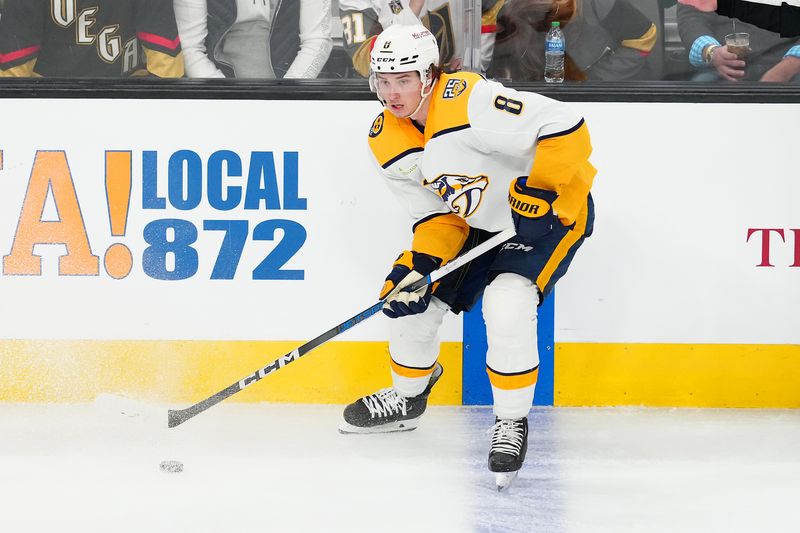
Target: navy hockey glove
[531, 209]
[408, 268]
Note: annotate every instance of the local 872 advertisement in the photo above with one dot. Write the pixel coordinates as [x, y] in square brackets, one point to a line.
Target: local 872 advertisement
[173, 200]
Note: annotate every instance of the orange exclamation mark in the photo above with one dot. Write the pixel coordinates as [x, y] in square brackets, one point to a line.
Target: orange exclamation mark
[118, 259]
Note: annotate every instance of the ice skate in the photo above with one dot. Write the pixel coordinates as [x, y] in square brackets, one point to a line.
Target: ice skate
[386, 411]
[509, 445]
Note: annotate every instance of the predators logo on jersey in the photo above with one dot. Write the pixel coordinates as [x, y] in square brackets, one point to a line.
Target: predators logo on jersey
[454, 88]
[377, 126]
[462, 194]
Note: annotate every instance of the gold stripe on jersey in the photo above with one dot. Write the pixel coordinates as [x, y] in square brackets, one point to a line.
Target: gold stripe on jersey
[563, 248]
[441, 236]
[448, 111]
[645, 43]
[561, 164]
[517, 380]
[164, 65]
[361, 57]
[410, 372]
[489, 17]
[24, 70]
[396, 138]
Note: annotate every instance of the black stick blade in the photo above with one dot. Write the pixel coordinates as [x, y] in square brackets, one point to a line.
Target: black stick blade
[176, 418]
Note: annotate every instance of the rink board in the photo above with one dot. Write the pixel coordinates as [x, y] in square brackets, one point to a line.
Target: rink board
[240, 244]
[188, 371]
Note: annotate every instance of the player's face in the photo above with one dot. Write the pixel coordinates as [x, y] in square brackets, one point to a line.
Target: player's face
[400, 91]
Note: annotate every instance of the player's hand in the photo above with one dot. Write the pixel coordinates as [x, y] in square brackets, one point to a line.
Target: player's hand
[531, 209]
[409, 268]
[702, 5]
[728, 64]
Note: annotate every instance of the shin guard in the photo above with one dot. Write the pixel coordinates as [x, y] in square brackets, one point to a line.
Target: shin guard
[512, 360]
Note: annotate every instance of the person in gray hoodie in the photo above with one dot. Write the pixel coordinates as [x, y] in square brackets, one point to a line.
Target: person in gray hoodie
[607, 40]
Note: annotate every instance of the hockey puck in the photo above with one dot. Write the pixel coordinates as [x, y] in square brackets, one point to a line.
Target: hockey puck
[172, 467]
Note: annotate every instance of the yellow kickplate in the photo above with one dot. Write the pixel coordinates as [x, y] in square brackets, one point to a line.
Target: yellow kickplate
[189, 371]
[679, 375]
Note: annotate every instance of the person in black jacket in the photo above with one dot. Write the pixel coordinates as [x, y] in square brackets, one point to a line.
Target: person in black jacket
[89, 38]
[783, 19]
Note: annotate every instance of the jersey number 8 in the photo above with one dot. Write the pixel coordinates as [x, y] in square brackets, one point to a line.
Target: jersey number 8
[507, 104]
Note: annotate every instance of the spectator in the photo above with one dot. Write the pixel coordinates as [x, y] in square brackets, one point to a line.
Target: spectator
[109, 39]
[782, 18]
[363, 20]
[771, 58]
[606, 39]
[254, 38]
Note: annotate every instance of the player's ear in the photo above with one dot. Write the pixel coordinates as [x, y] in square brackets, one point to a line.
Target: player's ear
[431, 75]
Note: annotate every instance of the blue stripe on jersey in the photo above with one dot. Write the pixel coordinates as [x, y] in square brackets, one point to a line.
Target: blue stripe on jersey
[450, 130]
[562, 133]
[402, 155]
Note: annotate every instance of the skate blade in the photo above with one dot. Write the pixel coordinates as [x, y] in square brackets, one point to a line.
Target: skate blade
[394, 427]
[505, 479]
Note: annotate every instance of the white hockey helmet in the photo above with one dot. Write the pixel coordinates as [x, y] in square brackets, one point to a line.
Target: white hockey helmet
[401, 48]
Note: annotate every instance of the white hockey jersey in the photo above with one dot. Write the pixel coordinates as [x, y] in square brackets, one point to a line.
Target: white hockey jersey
[479, 136]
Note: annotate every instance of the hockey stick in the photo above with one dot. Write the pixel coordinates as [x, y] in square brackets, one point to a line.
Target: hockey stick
[179, 416]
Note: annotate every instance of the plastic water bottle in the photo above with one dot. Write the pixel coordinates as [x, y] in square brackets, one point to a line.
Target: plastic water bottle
[554, 49]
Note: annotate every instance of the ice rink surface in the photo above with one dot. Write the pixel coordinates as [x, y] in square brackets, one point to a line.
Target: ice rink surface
[285, 468]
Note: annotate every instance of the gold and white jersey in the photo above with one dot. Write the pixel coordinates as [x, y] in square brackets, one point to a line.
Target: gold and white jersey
[478, 137]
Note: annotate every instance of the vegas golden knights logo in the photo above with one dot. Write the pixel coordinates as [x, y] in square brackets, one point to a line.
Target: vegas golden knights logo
[463, 194]
[440, 23]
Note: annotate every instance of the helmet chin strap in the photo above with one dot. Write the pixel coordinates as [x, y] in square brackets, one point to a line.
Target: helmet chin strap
[421, 101]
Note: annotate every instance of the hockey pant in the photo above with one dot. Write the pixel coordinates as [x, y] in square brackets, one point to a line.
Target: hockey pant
[512, 360]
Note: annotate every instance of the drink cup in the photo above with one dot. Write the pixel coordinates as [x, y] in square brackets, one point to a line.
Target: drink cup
[739, 44]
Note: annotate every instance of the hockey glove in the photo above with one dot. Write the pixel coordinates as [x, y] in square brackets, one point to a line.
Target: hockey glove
[408, 268]
[531, 209]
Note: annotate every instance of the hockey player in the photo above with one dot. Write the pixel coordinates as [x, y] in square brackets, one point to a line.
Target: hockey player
[469, 158]
[89, 38]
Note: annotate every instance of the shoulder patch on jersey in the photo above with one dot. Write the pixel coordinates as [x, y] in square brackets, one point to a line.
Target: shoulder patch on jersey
[449, 107]
[396, 6]
[377, 126]
[454, 88]
[391, 139]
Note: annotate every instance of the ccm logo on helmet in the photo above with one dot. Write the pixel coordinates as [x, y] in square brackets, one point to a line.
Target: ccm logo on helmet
[421, 34]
